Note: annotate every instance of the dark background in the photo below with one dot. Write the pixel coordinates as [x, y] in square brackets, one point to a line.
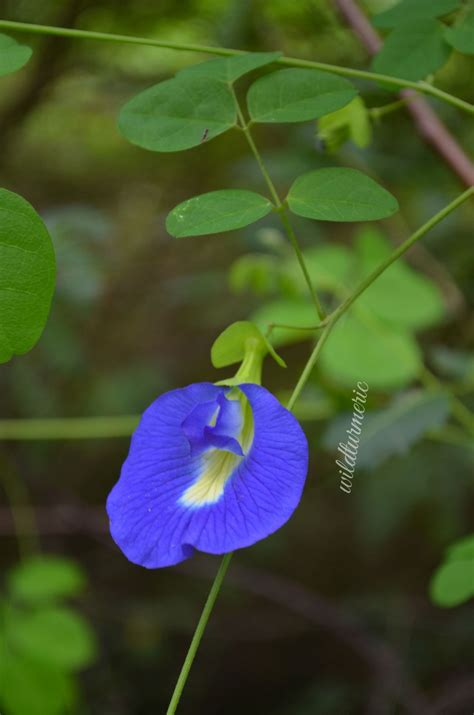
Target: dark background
[331, 613]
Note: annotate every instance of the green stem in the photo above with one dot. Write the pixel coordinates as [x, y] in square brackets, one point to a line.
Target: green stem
[198, 633]
[69, 428]
[422, 87]
[332, 319]
[281, 209]
[299, 255]
[308, 368]
[21, 511]
[403, 248]
[377, 113]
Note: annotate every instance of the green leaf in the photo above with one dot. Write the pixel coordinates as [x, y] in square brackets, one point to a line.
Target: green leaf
[413, 51]
[288, 312]
[257, 272]
[462, 549]
[401, 296]
[360, 348]
[393, 430]
[297, 95]
[232, 344]
[453, 583]
[13, 56]
[216, 212]
[351, 123]
[45, 578]
[178, 114]
[54, 636]
[340, 195]
[461, 36]
[408, 11]
[330, 267]
[229, 69]
[31, 687]
[27, 275]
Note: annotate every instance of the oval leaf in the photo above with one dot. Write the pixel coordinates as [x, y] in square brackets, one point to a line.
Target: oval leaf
[412, 10]
[34, 688]
[401, 296]
[297, 95]
[368, 350]
[340, 195]
[27, 275]
[229, 69]
[413, 51]
[453, 583]
[178, 114]
[217, 211]
[461, 36]
[13, 56]
[54, 636]
[45, 578]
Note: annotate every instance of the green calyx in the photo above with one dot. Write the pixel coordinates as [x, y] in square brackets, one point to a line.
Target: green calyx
[243, 343]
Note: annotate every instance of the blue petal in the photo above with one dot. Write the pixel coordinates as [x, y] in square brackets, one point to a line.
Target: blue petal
[169, 501]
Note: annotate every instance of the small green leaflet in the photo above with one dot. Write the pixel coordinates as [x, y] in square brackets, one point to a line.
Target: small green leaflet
[408, 11]
[340, 195]
[413, 51]
[13, 56]
[55, 636]
[297, 95]
[361, 347]
[217, 211]
[453, 581]
[45, 578]
[418, 303]
[178, 114]
[231, 345]
[33, 687]
[461, 36]
[256, 272]
[330, 267]
[229, 69]
[27, 275]
[392, 430]
[351, 123]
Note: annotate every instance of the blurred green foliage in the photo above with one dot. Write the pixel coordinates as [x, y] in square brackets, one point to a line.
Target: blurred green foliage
[135, 314]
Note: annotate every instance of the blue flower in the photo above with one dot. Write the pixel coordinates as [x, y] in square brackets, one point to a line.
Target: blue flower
[210, 468]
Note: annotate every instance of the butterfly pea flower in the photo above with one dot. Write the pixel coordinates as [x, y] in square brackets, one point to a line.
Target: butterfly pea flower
[211, 468]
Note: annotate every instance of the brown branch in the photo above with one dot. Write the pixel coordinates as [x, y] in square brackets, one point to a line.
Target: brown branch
[428, 124]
